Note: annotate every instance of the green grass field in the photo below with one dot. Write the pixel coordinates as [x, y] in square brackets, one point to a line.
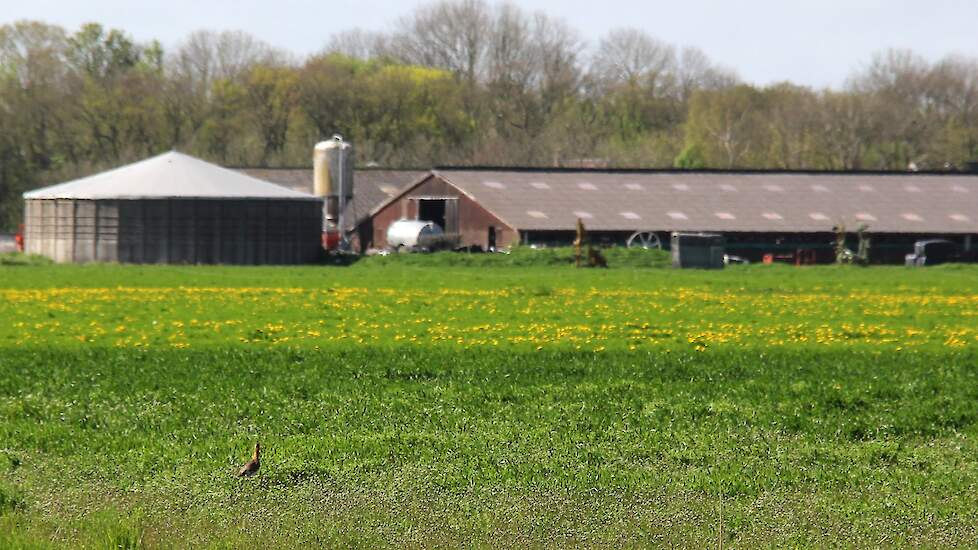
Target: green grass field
[488, 402]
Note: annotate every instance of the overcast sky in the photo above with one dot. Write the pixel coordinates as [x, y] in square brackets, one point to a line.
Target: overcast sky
[812, 42]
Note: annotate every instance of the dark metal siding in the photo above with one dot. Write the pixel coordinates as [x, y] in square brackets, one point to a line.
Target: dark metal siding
[886, 248]
[193, 231]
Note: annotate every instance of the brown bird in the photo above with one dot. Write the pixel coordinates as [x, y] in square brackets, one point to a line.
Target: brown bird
[251, 468]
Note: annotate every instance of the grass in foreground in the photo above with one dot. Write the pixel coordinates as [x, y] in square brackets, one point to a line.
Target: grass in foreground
[517, 309]
[366, 447]
[627, 439]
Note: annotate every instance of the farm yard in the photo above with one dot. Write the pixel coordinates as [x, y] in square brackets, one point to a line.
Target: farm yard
[448, 404]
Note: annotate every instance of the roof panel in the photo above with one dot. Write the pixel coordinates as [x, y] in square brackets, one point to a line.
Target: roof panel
[809, 201]
[170, 175]
[371, 186]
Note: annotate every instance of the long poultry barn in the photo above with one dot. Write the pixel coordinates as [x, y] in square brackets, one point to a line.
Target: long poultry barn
[759, 212]
[173, 208]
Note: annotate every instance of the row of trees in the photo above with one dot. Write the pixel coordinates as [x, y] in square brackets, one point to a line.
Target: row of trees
[456, 81]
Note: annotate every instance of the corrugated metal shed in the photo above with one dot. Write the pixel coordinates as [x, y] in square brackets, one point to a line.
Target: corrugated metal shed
[371, 187]
[170, 175]
[773, 202]
[173, 209]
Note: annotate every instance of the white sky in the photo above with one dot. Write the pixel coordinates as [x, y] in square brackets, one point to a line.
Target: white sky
[812, 42]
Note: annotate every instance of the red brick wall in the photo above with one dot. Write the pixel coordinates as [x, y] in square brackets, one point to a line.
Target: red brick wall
[473, 220]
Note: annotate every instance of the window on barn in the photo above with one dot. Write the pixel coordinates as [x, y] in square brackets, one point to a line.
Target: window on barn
[443, 211]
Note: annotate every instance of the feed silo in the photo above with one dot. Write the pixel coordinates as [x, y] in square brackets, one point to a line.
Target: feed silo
[173, 208]
[332, 163]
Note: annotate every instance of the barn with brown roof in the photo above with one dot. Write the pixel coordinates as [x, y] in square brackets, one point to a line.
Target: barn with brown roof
[758, 211]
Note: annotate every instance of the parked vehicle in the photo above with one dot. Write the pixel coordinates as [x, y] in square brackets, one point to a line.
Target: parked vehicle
[410, 234]
[731, 259]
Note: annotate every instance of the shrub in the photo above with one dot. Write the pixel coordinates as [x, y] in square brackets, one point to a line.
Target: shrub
[523, 256]
[19, 258]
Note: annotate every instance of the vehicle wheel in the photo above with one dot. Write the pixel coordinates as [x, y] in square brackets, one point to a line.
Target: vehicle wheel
[644, 239]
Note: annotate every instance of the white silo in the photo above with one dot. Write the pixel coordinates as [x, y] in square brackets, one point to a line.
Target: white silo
[332, 163]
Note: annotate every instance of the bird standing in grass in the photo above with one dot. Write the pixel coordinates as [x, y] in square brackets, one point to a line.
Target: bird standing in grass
[251, 468]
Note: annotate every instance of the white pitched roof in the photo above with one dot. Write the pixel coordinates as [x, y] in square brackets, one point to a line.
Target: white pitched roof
[170, 175]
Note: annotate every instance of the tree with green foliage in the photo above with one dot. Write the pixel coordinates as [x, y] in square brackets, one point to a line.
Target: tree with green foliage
[691, 158]
[272, 97]
[458, 81]
[728, 126]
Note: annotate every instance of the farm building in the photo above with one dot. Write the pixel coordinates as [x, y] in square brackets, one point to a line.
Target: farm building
[758, 212]
[173, 208]
[373, 187]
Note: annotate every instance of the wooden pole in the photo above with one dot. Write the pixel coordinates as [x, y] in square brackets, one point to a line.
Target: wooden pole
[578, 242]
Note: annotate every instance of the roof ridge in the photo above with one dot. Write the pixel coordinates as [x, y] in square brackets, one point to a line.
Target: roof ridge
[309, 167]
[634, 170]
[168, 175]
